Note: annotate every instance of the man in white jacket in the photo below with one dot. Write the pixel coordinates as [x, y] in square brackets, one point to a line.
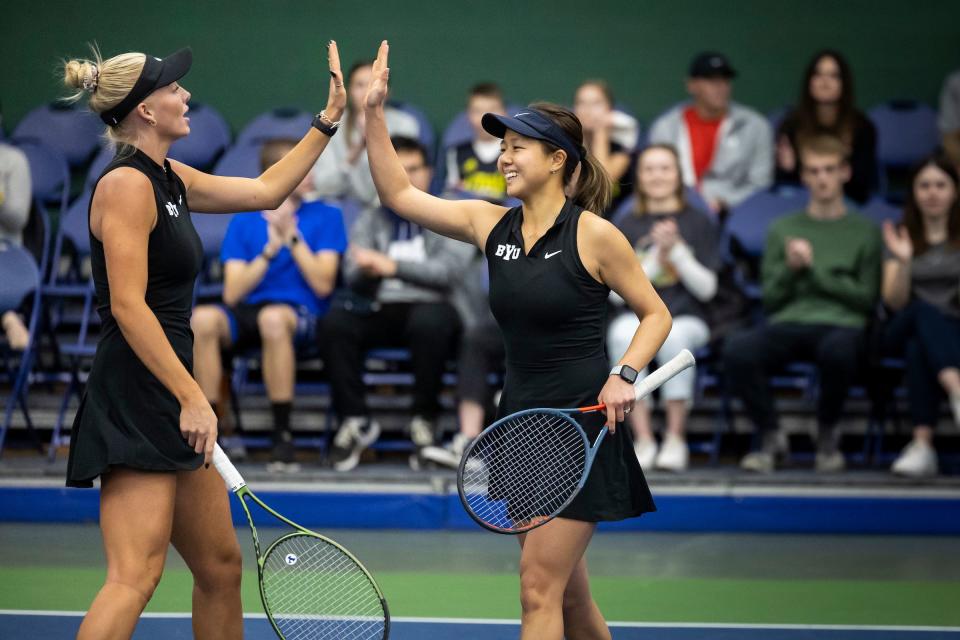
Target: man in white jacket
[726, 149]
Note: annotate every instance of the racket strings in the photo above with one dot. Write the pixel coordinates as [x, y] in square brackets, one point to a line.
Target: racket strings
[315, 590]
[524, 469]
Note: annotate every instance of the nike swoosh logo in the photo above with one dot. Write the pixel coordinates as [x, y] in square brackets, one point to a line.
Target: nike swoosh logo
[547, 256]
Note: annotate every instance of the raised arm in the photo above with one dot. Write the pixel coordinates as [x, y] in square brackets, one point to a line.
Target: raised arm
[217, 194]
[467, 220]
[123, 213]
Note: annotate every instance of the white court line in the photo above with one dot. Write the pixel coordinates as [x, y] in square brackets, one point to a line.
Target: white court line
[631, 625]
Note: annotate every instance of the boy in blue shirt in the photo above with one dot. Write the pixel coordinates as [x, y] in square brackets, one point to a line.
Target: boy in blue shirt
[280, 268]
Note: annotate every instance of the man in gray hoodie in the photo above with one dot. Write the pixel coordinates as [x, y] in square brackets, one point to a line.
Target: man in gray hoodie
[726, 149]
[400, 280]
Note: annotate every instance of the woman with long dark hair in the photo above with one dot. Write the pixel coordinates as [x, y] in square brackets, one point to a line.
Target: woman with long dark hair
[921, 283]
[552, 264]
[827, 107]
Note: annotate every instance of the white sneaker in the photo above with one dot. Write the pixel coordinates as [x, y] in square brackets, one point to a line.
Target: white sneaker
[356, 434]
[917, 460]
[829, 462]
[448, 456]
[759, 462]
[422, 431]
[646, 450]
[674, 454]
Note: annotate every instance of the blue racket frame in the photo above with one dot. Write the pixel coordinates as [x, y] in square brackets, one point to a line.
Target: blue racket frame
[567, 416]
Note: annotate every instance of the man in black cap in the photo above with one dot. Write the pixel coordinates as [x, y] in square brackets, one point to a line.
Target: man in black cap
[725, 148]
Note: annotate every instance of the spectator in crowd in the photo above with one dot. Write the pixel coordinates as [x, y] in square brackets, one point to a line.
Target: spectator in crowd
[472, 166]
[921, 283]
[949, 120]
[400, 278]
[604, 133]
[820, 276]
[481, 353]
[827, 107]
[280, 268]
[725, 148]
[343, 170]
[15, 198]
[679, 247]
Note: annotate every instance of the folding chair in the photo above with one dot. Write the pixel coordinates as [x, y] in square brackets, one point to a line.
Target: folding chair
[21, 278]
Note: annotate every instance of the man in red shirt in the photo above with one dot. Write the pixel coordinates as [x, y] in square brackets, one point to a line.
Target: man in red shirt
[725, 148]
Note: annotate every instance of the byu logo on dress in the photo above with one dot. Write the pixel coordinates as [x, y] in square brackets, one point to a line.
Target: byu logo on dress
[172, 210]
[508, 251]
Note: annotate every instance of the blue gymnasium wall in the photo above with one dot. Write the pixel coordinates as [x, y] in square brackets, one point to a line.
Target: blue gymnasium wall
[254, 55]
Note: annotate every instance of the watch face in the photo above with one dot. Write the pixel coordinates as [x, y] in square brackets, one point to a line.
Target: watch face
[629, 374]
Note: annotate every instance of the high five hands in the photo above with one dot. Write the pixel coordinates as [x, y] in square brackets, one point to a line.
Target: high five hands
[379, 83]
[337, 97]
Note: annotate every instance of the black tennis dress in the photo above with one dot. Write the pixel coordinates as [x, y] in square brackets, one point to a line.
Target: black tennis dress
[552, 313]
[127, 417]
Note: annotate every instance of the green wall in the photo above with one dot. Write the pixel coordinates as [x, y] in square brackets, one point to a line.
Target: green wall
[251, 56]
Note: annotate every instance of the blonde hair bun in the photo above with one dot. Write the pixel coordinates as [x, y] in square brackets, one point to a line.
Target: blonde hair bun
[81, 74]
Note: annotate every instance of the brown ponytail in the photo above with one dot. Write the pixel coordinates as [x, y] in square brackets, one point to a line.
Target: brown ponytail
[594, 189]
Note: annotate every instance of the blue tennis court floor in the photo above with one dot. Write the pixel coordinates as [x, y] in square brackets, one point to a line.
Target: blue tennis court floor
[41, 625]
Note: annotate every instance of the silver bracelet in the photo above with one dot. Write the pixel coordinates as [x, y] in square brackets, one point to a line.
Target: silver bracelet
[323, 116]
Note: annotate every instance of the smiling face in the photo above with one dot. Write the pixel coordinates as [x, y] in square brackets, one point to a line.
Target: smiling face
[167, 106]
[658, 174]
[526, 164]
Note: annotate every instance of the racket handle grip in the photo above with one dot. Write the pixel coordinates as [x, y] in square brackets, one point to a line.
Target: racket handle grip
[664, 372]
[231, 477]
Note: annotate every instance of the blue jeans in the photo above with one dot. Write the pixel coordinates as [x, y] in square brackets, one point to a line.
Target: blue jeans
[929, 340]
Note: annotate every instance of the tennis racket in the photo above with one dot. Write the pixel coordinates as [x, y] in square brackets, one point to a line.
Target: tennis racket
[524, 469]
[311, 587]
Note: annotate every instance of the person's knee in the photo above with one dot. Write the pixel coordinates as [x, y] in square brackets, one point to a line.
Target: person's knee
[275, 323]
[222, 570]
[536, 590]
[207, 322]
[141, 574]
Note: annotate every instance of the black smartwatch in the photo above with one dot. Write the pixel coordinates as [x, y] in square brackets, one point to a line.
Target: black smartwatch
[324, 125]
[626, 372]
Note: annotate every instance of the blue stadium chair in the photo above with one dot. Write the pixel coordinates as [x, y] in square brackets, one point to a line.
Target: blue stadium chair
[906, 132]
[97, 165]
[748, 221]
[285, 122]
[241, 160]
[69, 312]
[209, 137]
[879, 210]
[21, 278]
[212, 228]
[627, 207]
[427, 136]
[49, 172]
[73, 131]
[50, 182]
